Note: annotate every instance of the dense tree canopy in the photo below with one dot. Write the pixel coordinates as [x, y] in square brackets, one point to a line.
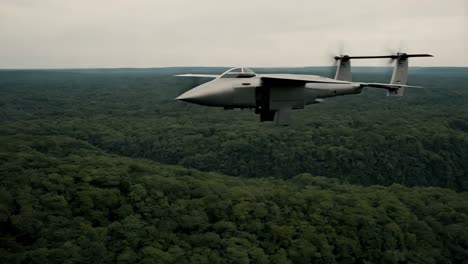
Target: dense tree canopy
[65, 200]
[104, 166]
[418, 140]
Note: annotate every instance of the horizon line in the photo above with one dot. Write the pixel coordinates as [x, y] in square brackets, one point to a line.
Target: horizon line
[169, 67]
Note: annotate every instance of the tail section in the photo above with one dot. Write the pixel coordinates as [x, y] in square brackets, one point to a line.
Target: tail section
[343, 71]
[399, 76]
[400, 72]
[397, 84]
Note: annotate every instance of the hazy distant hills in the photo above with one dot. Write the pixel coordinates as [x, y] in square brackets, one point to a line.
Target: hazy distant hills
[322, 70]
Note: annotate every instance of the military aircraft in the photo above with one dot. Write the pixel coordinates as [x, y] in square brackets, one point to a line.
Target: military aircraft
[273, 96]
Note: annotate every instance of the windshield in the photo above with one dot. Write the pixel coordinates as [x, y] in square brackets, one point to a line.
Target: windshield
[238, 73]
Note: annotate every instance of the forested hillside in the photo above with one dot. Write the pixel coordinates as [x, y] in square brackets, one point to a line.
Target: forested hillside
[65, 200]
[104, 166]
[418, 140]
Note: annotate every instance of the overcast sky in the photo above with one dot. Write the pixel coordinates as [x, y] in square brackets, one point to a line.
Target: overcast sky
[157, 33]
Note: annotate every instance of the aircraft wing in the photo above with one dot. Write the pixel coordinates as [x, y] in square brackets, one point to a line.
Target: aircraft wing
[295, 79]
[198, 75]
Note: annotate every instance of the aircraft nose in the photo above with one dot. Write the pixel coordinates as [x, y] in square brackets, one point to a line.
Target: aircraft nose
[207, 95]
[185, 97]
[192, 96]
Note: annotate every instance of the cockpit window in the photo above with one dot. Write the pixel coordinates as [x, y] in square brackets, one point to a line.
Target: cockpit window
[236, 70]
[248, 70]
[238, 73]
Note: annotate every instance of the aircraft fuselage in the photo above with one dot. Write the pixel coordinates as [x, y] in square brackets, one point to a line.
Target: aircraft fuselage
[244, 92]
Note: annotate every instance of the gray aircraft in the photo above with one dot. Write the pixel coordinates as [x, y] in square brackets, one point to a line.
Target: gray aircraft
[273, 96]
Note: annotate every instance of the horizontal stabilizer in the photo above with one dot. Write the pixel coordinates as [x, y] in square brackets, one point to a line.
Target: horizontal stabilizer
[387, 85]
[392, 89]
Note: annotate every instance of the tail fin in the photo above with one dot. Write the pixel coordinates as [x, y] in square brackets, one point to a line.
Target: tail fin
[399, 76]
[400, 72]
[397, 84]
[343, 71]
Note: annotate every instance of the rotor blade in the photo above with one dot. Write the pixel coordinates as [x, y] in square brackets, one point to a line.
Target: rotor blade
[391, 56]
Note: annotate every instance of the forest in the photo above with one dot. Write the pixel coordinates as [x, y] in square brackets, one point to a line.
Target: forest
[104, 166]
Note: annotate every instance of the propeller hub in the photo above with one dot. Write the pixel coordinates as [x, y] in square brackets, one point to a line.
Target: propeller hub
[401, 56]
[342, 57]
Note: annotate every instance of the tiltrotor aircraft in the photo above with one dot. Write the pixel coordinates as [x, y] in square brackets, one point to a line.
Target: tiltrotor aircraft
[274, 95]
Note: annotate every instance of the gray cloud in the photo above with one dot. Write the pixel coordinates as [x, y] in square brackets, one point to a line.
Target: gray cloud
[144, 33]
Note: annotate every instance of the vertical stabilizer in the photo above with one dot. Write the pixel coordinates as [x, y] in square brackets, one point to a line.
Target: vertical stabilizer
[400, 72]
[343, 71]
[400, 75]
